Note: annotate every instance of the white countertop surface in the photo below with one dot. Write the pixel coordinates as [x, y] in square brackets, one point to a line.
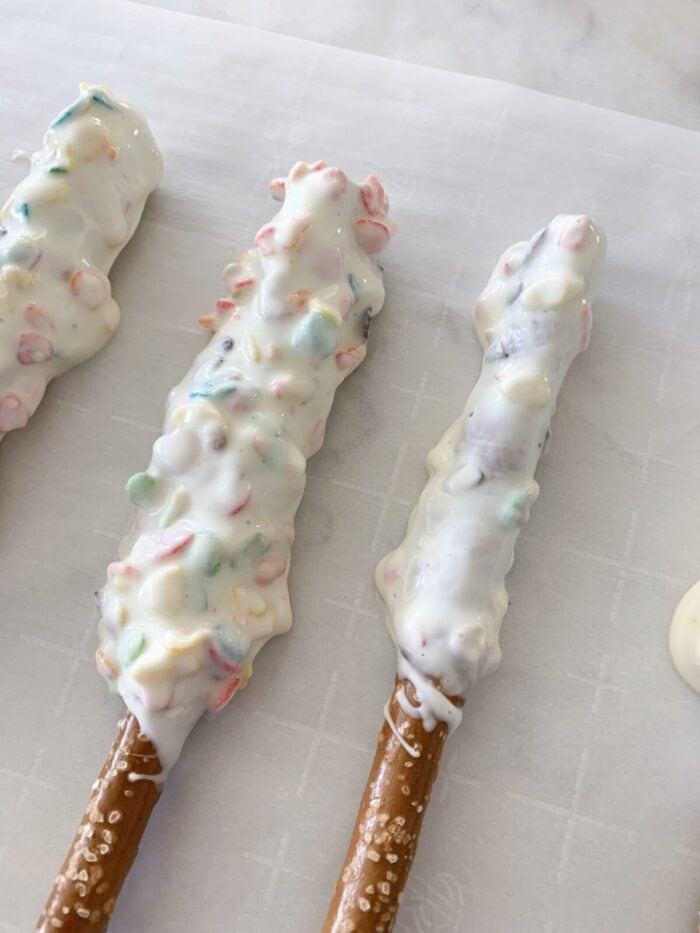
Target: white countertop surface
[640, 58]
[568, 799]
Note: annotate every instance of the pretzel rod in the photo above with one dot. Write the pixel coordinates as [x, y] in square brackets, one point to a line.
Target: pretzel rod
[105, 845]
[384, 840]
[60, 232]
[444, 585]
[201, 584]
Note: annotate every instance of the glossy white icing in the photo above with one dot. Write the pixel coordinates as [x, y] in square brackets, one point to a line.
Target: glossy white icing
[684, 637]
[444, 586]
[60, 232]
[202, 580]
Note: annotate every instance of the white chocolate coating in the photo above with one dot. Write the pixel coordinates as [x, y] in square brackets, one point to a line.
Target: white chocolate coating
[684, 637]
[60, 232]
[202, 580]
[444, 586]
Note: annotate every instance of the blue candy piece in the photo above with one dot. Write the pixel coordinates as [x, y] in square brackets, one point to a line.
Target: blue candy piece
[352, 282]
[80, 106]
[317, 333]
[22, 252]
[231, 644]
[216, 387]
[102, 101]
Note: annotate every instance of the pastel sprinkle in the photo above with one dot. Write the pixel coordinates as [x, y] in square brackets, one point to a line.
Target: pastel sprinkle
[243, 501]
[23, 209]
[354, 287]
[140, 487]
[102, 101]
[57, 170]
[172, 542]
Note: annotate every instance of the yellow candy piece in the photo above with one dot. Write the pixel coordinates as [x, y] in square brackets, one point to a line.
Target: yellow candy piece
[182, 644]
[16, 277]
[526, 388]
[552, 292]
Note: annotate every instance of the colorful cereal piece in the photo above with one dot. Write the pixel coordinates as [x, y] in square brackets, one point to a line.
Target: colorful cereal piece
[372, 235]
[33, 348]
[337, 182]
[350, 357]
[131, 644]
[23, 252]
[268, 569]
[164, 589]
[373, 198]
[172, 542]
[105, 665]
[243, 502]
[16, 277]
[140, 487]
[575, 235]
[36, 317]
[222, 697]
[205, 552]
[13, 414]
[228, 649]
[265, 239]
[255, 546]
[277, 186]
[176, 452]
[517, 512]
[317, 333]
[90, 289]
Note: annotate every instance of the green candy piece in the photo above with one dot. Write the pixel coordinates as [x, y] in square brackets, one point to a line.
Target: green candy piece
[131, 644]
[205, 552]
[140, 486]
[318, 334]
[255, 546]
[513, 514]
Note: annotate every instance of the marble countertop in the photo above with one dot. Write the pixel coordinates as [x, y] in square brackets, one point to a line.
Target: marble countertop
[640, 59]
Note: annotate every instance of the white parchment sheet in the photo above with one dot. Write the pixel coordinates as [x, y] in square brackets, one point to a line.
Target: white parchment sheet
[569, 799]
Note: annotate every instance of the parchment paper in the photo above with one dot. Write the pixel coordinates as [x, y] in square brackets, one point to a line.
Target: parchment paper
[569, 797]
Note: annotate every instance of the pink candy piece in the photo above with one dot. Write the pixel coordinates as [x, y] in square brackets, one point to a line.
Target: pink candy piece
[265, 239]
[120, 568]
[229, 666]
[243, 502]
[13, 414]
[337, 182]
[36, 317]
[156, 699]
[276, 187]
[371, 235]
[294, 233]
[318, 433]
[575, 234]
[374, 200]
[299, 299]
[225, 304]
[173, 541]
[350, 357]
[33, 348]
[224, 696]
[317, 166]
[239, 285]
[269, 568]
[298, 170]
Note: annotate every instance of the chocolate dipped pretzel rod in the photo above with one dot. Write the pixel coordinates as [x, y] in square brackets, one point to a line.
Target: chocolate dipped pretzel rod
[201, 583]
[60, 233]
[444, 585]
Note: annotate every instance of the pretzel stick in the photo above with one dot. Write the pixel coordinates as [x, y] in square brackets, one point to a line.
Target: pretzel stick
[384, 840]
[107, 840]
[444, 586]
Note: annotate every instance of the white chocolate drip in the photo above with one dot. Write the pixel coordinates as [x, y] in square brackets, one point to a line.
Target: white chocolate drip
[684, 637]
[202, 580]
[60, 232]
[444, 586]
